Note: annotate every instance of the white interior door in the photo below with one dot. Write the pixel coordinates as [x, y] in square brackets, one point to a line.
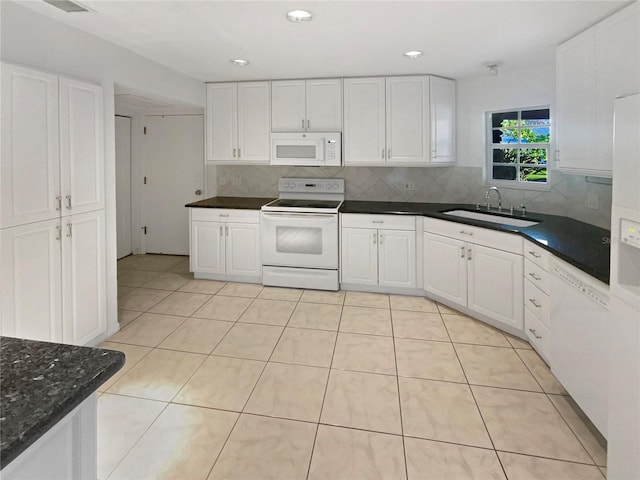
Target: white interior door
[123, 185]
[174, 169]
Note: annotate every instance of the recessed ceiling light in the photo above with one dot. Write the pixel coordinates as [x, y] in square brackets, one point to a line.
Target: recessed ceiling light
[299, 16]
[240, 62]
[413, 54]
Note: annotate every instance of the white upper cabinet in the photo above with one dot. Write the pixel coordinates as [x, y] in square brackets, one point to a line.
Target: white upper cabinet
[307, 105]
[592, 69]
[52, 146]
[408, 119]
[30, 146]
[399, 121]
[81, 146]
[364, 120]
[237, 119]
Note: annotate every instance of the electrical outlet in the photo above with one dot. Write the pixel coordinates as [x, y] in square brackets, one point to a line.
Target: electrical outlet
[222, 182]
[592, 201]
[409, 186]
[236, 181]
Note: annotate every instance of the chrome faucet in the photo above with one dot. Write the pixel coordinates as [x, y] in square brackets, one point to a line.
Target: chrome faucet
[487, 197]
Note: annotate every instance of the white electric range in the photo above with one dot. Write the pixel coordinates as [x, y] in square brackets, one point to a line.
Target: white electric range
[300, 234]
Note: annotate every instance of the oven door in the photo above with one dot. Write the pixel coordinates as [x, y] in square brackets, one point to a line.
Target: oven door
[308, 240]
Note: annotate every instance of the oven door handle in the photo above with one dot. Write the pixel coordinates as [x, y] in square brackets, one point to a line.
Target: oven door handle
[298, 215]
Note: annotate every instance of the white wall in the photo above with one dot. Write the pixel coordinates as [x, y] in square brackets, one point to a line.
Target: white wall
[39, 42]
[521, 88]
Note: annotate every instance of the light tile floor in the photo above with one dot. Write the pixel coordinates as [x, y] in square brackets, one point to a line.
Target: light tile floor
[236, 381]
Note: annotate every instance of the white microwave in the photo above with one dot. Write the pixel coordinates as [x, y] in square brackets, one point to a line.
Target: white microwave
[308, 149]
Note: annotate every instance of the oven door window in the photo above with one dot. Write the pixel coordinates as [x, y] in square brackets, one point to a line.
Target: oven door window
[299, 240]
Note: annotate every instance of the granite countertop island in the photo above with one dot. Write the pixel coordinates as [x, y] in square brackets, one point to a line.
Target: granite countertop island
[41, 383]
[584, 246]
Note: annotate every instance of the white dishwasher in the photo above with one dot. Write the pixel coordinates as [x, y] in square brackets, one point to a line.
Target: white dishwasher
[579, 339]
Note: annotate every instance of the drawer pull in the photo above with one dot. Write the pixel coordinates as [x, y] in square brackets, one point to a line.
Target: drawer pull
[224, 215]
[539, 337]
[534, 276]
[534, 254]
[535, 304]
[377, 221]
[463, 232]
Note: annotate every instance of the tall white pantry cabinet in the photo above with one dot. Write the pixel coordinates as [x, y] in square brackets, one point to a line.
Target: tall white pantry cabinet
[53, 224]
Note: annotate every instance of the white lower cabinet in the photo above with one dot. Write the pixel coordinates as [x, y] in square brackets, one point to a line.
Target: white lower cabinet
[484, 280]
[537, 316]
[225, 244]
[384, 257]
[53, 280]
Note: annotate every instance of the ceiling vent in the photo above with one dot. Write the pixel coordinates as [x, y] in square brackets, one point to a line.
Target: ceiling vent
[67, 6]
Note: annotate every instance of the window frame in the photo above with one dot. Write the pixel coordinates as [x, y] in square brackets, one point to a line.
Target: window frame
[488, 154]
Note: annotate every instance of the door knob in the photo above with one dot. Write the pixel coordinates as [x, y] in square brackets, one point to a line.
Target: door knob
[198, 192]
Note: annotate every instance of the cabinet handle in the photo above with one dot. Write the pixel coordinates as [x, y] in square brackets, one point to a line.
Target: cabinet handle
[59, 234]
[308, 124]
[302, 123]
[220, 230]
[234, 153]
[534, 276]
[389, 153]
[224, 215]
[382, 154]
[70, 230]
[468, 254]
[377, 221]
[239, 154]
[375, 238]
[226, 230]
[464, 232]
[535, 304]
[534, 254]
[539, 337]
[68, 197]
[461, 252]
[59, 199]
[381, 238]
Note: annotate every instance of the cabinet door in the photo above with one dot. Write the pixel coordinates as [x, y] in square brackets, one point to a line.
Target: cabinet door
[222, 122]
[83, 277]
[243, 249]
[30, 151]
[397, 258]
[442, 98]
[324, 105]
[254, 122]
[359, 256]
[364, 121]
[81, 146]
[617, 74]
[495, 284]
[445, 268]
[31, 282]
[288, 112]
[207, 247]
[407, 102]
[576, 113]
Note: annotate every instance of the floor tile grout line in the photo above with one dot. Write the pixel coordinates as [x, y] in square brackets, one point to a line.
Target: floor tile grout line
[551, 458]
[530, 371]
[395, 359]
[324, 395]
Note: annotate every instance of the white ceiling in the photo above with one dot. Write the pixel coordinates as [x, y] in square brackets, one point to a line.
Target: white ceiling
[346, 38]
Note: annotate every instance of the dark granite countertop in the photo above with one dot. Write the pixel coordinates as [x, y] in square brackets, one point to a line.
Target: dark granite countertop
[243, 203]
[584, 246]
[41, 382]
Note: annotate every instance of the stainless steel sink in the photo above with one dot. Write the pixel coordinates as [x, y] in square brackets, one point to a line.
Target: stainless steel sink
[491, 217]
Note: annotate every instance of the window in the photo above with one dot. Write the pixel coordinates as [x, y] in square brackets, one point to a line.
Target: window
[518, 148]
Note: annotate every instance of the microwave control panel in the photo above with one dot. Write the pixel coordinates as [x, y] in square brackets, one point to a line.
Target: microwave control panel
[630, 233]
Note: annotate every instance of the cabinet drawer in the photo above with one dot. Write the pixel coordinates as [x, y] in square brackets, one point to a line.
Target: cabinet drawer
[538, 334]
[536, 275]
[537, 255]
[478, 235]
[388, 222]
[225, 215]
[536, 301]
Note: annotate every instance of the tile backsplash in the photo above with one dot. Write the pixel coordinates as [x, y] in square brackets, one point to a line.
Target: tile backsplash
[570, 195]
